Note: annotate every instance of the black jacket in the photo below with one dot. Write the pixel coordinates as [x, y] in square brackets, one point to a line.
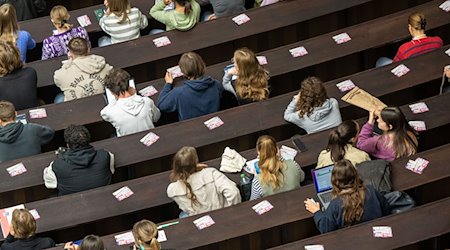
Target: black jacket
[20, 88]
[81, 169]
[32, 243]
[26, 9]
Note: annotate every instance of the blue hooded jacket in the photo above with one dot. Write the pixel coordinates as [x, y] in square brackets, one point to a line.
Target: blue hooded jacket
[195, 98]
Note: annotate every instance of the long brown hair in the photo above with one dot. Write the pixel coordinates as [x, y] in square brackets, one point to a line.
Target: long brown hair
[8, 23]
[9, 58]
[404, 140]
[340, 137]
[119, 8]
[252, 82]
[350, 188]
[269, 162]
[312, 94]
[145, 234]
[185, 163]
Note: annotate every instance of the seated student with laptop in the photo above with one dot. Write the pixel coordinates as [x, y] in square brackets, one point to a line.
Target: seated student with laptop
[351, 203]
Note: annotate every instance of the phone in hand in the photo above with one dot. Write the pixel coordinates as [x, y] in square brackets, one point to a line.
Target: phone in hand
[299, 144]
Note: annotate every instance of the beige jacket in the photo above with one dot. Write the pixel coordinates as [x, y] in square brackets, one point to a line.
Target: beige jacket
[351, 153]
[212, 189]
[81, 77]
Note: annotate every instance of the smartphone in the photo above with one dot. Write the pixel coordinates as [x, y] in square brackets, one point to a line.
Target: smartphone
[299, 144]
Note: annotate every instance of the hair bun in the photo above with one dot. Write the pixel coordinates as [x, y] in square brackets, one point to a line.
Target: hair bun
[423, 23]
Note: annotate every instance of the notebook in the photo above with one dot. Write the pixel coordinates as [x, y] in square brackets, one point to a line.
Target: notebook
[322, 182]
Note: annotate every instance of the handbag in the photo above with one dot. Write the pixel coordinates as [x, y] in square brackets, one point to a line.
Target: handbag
[399, 201]
[245, 185]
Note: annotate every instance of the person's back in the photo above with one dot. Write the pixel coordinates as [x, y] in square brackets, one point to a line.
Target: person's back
[292, 176]
[27, 9]
[174, 19]
[311, 109]
[225, 8]
[81, 166]
[206, 184]
[18, 140]
[130, 113]
[83, 74]
[199, 95]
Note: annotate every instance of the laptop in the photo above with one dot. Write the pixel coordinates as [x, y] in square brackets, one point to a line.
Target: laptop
[322, 182]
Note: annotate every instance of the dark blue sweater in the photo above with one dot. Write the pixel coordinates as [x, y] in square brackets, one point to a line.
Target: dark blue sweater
[375, 206]
[195, 98]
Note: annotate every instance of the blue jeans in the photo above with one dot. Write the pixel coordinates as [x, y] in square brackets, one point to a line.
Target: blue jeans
[382, 61]
[155, 31]
[183, 215]
[104, 41]
[59, 98]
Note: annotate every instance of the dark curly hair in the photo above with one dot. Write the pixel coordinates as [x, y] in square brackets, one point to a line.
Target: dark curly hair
[312, 94]
[76, 136]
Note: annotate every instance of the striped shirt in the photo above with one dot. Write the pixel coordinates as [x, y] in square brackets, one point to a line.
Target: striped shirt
[128, 30]
[418, 47]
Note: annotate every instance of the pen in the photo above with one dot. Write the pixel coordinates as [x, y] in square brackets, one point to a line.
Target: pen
[168, 224]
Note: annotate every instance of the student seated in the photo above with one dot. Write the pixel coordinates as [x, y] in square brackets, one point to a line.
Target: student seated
[223, 8]
[22, 233]
[445, 88]
[27, 9]
[90, 242]
[251, 83]
[311, 109]
[131, 113]
[197, 188]
[9, 31]
[57, 44]
[122, 22]
[352, 202]
[277, 175]
[80, 166]
[340, 146]
[199, 95]
[398, 138]
[420, 43]
[17, 139]
[145, 235]
[184, 15]
[83, 74]
[17, 84]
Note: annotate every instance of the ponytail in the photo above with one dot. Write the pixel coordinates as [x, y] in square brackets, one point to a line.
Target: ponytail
[336, 146]
[186, 4]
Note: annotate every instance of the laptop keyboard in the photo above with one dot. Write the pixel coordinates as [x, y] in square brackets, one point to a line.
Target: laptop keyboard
[326, 197]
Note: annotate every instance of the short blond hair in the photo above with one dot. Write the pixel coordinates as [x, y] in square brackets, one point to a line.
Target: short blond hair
[9, 58]
[7, 111]
[23, 223]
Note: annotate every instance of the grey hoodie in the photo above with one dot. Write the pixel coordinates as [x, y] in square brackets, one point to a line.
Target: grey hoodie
[18, 140]
[321, 118]
[131, 115]
[81, 77]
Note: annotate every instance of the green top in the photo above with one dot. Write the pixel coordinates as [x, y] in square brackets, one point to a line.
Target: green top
[175, 20]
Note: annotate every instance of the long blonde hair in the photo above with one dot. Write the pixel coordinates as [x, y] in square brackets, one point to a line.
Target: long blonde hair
[145, 234]
[269, 162]
[59, 16]
[8, 23]
[252, 82]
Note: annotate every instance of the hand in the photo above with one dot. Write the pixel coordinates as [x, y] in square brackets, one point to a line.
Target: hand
[296, 97]
[107, 11]
[201, 165]
[131, 90]
[168, 78]
[447, 71]
[232, 71]
[70, 246]
[372, 117]
[212, 17]
[167, 2]
[311, 205]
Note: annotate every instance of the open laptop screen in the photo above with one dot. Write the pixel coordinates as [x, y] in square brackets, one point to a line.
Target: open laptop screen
[322, 178]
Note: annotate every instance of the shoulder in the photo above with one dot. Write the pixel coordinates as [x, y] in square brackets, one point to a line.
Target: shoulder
[334, 102]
